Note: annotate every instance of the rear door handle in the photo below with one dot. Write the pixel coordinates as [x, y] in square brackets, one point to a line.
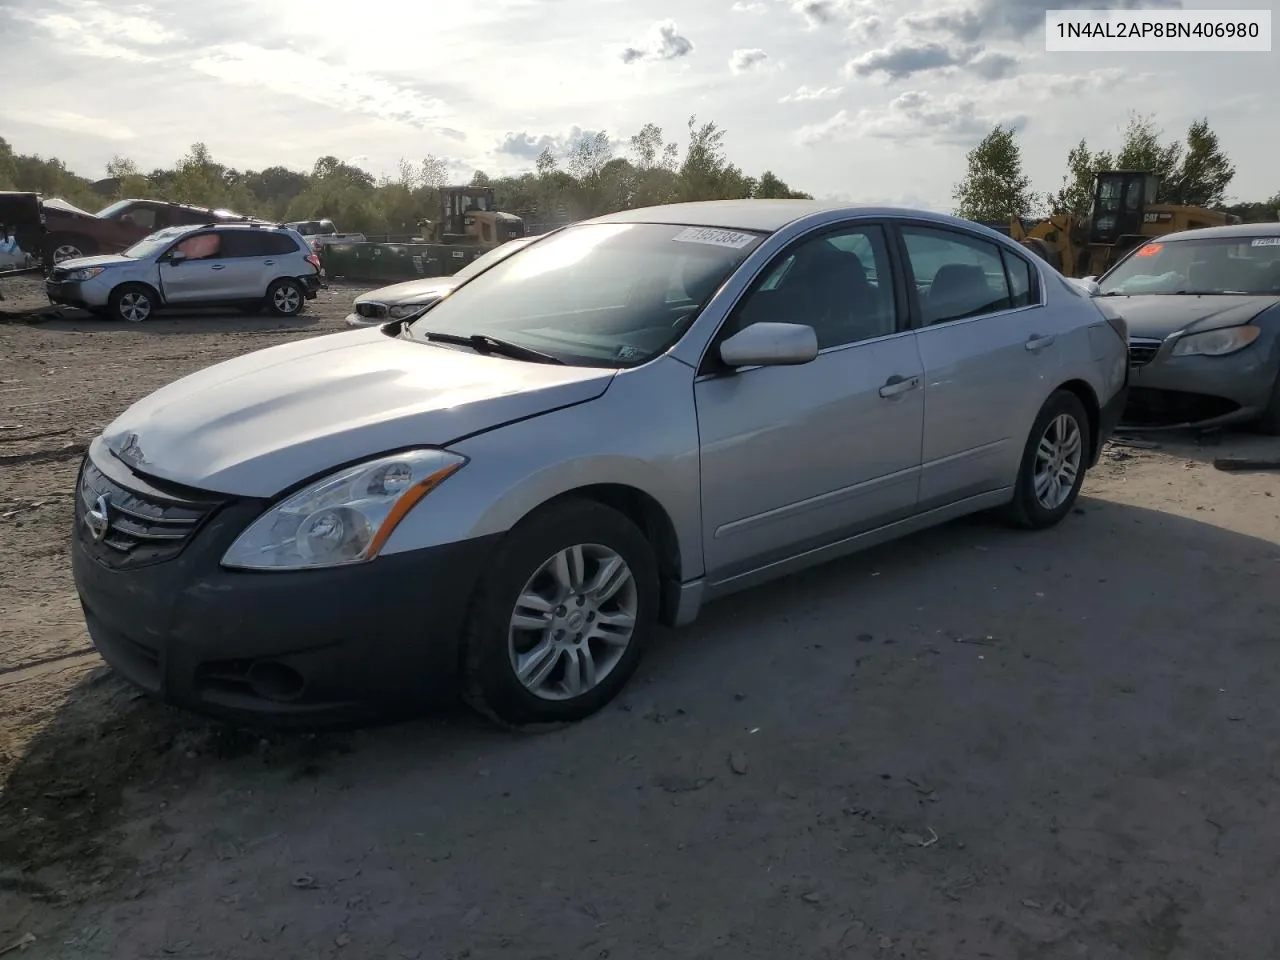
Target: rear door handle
[896, 385]
[218, 266]
[269, 263]
[1037, 342]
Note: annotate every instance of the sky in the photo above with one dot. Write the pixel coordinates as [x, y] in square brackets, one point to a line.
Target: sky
[851, 100]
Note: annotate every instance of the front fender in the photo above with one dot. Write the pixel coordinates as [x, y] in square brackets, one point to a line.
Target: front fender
[641, 433]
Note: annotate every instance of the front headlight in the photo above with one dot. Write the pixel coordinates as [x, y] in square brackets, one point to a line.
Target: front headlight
[85, 273]
[402, 310]
[1216, 343]
[345, 518]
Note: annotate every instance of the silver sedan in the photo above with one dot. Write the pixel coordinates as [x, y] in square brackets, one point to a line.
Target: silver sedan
[630, 418]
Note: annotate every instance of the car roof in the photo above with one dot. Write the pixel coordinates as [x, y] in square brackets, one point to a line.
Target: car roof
[767, 216]
[1243, 230]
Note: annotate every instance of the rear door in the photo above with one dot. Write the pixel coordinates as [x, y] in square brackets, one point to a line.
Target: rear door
[256, 258]
[989, 356]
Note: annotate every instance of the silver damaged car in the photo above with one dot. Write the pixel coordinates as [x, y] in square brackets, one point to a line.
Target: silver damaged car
[632, 417]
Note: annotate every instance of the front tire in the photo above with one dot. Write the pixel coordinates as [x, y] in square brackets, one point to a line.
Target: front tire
[132, 303]
[67, 246]
[285, 298]
[561, 617]
[1053, 464]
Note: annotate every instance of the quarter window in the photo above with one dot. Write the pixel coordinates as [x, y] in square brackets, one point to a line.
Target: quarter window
[956, 276]
[1022, 291]
[839, 283]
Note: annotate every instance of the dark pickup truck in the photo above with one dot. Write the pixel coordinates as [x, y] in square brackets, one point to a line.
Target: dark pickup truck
[72, 232]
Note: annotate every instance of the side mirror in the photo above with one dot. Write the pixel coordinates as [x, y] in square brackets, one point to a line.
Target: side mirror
[770, 345]
[176, 257]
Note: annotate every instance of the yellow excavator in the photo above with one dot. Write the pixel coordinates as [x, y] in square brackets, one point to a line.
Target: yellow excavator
[1123, 215]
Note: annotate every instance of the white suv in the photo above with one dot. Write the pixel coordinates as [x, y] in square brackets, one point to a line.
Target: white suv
[246, 265]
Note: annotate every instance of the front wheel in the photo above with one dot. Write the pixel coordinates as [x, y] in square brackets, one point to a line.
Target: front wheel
[1053, 464]
[285, 298]
[132, 303]
[559, 621]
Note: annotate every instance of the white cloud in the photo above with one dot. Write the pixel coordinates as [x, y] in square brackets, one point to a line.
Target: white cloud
[293, 74]
[804, 93]
[70, 122]
[133, 36]
[743, 61]
[747, 6]
[664, 42]
[914, 115]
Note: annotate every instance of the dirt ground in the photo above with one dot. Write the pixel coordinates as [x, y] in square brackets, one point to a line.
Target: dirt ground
[972, 743]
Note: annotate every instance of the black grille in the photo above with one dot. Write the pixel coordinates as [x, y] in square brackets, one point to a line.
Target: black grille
[375, 311]
[140, 529]
[1143, 351]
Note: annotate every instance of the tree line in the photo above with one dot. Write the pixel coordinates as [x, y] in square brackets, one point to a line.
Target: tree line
[595, 174]
[1194, 171]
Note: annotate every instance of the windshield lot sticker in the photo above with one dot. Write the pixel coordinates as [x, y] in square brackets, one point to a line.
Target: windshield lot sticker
[716, 238]
[1266, 242]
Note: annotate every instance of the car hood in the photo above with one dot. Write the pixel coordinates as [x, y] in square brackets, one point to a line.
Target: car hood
[262, 422]
[106, 260]
[1157, 316]
[411, 291]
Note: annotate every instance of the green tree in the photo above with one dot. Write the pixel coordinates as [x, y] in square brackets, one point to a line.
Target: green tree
[1076, 193]
[994, 186]
[8, 172]
[1202, 177]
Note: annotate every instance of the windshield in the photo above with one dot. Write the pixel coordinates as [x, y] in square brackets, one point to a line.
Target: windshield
[487, 260]
[107, 213]
[1227, 265]
[603, 294]
[155, 243]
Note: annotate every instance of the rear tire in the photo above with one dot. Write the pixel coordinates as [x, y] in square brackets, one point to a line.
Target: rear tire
[132, 303]
[555, 606]
[1053, 466]
[285, 298]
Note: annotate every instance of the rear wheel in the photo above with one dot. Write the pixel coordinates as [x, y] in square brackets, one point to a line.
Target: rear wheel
[284, 298]
[66, 246]
[1053, 464]
[559, 621]
[132, 303]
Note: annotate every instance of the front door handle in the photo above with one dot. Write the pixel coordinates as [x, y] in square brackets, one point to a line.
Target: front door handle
[1037, 342]
[269, 263]
[218, 266]
[896, 385]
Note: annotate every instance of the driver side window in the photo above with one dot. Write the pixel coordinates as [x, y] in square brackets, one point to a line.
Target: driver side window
[203, 246]
[839, 283]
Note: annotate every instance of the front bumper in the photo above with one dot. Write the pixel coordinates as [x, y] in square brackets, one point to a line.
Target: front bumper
[65, 293]
[1170, 392]
[307, 648]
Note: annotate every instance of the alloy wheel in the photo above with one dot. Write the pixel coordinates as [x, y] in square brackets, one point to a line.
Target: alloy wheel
[287, 299]
[135, 307]
[1058, 458]
[572, 622]
[66, 251]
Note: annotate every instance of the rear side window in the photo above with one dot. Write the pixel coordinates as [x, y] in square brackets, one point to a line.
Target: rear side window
[1022, 290]
[256, 243]
[956, 276]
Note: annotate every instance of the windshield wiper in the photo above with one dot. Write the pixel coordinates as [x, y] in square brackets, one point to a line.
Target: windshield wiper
[1210, 293]
[483, 343]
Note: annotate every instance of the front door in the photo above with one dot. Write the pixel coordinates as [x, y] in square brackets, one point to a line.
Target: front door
[990, 359]
[199, 277]
[794, 458]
